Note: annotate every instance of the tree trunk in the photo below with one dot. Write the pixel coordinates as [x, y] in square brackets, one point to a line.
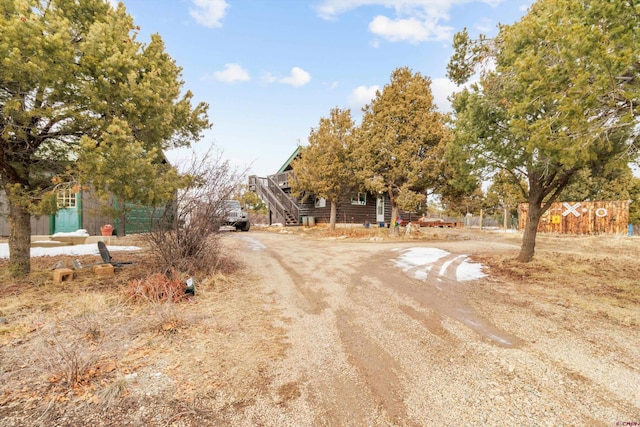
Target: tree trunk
[505, 220]
[332, 218]
[19, 240]
[121, 223]
[394, 229]
[527, 250]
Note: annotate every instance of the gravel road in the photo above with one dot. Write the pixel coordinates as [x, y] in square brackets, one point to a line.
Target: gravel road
[374, 344]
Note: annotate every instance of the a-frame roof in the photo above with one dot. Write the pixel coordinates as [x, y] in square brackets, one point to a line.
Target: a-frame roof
[287, 165]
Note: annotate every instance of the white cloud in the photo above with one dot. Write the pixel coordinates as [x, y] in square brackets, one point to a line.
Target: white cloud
[441, 89]
[362, 95]
[268, 78]
[113, 3]
[329, 9]
[331, 85]
[525, 7]
[298, 77]
[486, 26]
[209, 12]
[412, 30]
[232, 73]
[415, 20]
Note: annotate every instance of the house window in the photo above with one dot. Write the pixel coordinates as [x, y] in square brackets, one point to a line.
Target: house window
[66, 198]
[360, 199]
[321, 202]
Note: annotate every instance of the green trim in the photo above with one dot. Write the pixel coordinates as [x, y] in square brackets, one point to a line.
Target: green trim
[52, 224]
[289, 160]
[79, 208]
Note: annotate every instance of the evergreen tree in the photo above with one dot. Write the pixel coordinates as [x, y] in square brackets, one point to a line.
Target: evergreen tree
[76, 85]
[324, 168]
[563, 97]
[401, 141]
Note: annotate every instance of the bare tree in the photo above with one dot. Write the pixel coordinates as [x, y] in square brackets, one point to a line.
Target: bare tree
[185, 237]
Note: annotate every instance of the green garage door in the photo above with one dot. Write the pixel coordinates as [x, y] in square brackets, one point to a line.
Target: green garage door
[141, 218]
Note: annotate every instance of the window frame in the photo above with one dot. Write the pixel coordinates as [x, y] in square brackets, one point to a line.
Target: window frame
[360, 199]
[66, 198]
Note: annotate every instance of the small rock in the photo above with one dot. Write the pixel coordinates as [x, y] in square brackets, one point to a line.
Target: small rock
[57, 265]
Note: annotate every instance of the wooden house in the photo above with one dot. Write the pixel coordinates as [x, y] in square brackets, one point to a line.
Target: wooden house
[355, 208]
[581, 217]
[81, 210]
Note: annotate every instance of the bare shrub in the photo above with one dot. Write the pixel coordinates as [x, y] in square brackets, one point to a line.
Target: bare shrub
[64, 359]
[114, 391]
[156, 288]
[160, 292]
[169, 319]
[187, 236]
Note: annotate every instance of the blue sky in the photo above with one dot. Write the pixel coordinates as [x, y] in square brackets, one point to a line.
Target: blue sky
[270, 69]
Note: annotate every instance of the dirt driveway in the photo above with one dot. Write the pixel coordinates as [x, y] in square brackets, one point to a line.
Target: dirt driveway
[344, 331]
[371, 343]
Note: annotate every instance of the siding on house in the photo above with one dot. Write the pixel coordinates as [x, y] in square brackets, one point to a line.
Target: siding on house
[138, 221]
[39, 225]
[92, 217]
[347, 213]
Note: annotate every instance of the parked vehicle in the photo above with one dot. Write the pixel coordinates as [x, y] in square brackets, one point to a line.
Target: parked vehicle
[235, 216]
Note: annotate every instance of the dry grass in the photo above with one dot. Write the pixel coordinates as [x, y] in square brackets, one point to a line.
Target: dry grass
[156, 288]
[357, 231]
[596, 274]
[70, 351]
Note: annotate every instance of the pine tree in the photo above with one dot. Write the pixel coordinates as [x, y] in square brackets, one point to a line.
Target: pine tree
[324, 167]
[562, 98]
[401, 141]
[73, 71]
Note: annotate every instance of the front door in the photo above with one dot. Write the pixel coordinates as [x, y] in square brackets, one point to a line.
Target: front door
[380, 209]
[67, 219]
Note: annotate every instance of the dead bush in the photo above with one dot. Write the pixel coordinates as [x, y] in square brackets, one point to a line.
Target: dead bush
[156, 288]
[61, 358]
[186, 238]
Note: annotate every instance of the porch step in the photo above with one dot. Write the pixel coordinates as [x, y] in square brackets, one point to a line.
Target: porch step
[290, 219]
[73, 240]
[47, 241]
[49, 244]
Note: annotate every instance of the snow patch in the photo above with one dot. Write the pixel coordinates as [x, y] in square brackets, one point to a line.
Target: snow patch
[75, 250]
[78, 233]
[417, 262]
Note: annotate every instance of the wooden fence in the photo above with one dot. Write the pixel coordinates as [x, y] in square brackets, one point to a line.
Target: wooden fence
[581, 217]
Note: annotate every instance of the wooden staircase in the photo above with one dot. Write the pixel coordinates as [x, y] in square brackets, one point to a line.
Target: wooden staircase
[290, 219]
[283, 208]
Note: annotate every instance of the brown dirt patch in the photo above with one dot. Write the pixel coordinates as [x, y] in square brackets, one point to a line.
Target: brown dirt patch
[322, 328]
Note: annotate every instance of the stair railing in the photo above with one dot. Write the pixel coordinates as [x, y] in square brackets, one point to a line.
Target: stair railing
[278, 201]
[284, 199]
